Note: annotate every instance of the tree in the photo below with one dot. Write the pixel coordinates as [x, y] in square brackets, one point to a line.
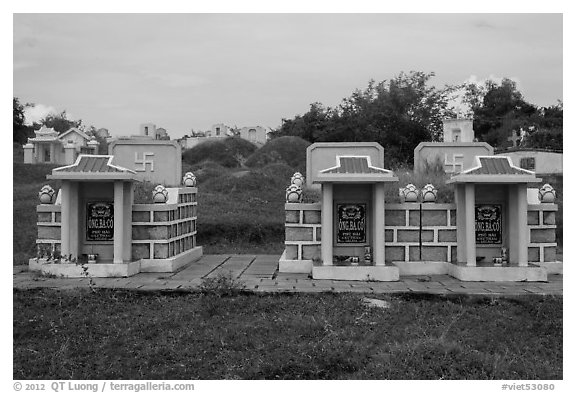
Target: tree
[20, 132]
[500, 110]
[60, 122]
[398, 114]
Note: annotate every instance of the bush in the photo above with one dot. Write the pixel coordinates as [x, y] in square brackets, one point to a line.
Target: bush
[229, 152]
[289, 150]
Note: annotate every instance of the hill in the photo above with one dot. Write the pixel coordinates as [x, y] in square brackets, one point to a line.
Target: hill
[289, 150]
[229, 152]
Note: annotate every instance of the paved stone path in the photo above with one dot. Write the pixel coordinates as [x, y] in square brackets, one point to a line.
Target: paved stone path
[259, 274]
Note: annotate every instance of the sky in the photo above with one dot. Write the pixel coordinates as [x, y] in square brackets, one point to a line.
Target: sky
[190, 71]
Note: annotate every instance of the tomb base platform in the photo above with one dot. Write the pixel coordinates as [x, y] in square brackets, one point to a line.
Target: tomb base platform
[293, 265]
[72, 270]
[498, 273]
[356, 273]
[422, 268]
[552, 267]
[170, 265]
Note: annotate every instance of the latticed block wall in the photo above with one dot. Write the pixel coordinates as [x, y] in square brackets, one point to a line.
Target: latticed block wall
[49, 229]
[165, 230]
[414, 232]
[542, 226]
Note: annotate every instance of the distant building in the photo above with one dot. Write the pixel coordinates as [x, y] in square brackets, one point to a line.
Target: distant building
[541, 161]
[150, 130]
[257, 135]
[219, 131]
[102, 133]
[47, 147]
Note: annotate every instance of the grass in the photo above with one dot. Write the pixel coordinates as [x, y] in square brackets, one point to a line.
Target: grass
[77, 334]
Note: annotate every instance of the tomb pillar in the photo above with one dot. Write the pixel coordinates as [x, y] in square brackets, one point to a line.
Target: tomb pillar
[378, 227]
[65, 218]
[73, 222]
[118, 221]
[327, 223]
[52, 153]
[470, 201]
[460, 222]
[28, 153]
[518, 224]
[128, 198]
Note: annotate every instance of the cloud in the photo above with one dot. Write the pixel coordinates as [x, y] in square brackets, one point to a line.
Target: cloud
[33, 114]
[171, 79]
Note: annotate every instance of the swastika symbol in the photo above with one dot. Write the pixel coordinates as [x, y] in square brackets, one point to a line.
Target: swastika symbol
[142, 160]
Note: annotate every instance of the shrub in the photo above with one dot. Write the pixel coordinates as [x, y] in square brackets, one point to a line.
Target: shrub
[222, 285]
[289, 150]
[229, 152]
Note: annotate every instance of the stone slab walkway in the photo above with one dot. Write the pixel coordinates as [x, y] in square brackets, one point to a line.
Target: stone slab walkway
[259, 273]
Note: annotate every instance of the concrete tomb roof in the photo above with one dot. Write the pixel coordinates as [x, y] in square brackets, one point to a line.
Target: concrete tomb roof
[495, 169]
[93, 167]
[355, 169]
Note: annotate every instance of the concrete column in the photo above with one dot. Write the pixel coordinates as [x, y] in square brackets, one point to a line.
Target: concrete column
[28, 153]
[327, 223]
[118, 221]
[52, 153]
[65, 218]
[460, 222]
[522, 225]
[74, 219]
[470, 224]
[378, 233]
[128, 198]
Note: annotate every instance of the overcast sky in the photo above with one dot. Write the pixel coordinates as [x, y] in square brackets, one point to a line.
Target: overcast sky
[195, 70]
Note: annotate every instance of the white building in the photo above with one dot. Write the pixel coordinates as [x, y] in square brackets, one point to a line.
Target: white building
[47, 147]
[258, 135]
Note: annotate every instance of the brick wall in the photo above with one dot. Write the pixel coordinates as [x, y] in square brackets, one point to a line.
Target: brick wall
[412, 234]
[420, 232]
[303, 231]
[49, 228]
[542, 228]
[164, 230]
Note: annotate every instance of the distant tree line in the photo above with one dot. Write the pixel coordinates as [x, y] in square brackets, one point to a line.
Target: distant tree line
[407, 110]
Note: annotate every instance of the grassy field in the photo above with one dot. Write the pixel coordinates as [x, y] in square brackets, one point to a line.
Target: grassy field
[126, 335]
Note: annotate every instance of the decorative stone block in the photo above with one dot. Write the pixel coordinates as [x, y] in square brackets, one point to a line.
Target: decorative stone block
[533, 254]
[453, 218]
[429, 253]
[297, 179]
[46, 194]
[189, 180]
[310, 251]
[319, 234]
[434, 217]
[429, 193]
[547, 194]
[44, 217]
[138, 216]
[549, 218]
[409, 193]
[447, 235]
[549, 254]
[57, 217]
[542, 235]
[160, 194]
[293, 216]
[145, 232]
[160, 251]
[291, 252]
[161, 216]
[311, 217]
[299, 234]
[395, 218]
[388, 235]
[394, 253]
[140, 251]
[414, 218]
[413, 236]
[293, 194]
[533, 218]
[454, 254]
[52, 233]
